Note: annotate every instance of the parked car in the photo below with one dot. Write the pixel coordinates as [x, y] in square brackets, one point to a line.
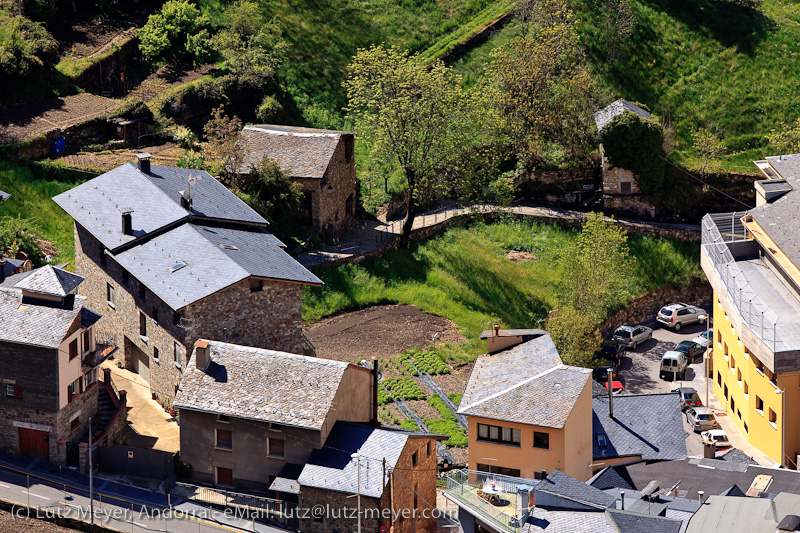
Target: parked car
[689, 398]
[677, 315]
[616, 387]
[673, 365]
[705, 338]
[632, 336]
[716, 436]
[691, 349]
[611, 350]
[601, 373]
[701, 419]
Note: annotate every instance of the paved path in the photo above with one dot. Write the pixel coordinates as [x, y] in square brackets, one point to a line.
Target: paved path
[373, 234]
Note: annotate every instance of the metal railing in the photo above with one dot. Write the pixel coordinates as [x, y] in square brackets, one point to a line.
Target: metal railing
[463, 486]
[271, 510]
[718, 229]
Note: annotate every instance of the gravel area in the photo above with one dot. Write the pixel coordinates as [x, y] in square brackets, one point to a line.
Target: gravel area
[10, 524]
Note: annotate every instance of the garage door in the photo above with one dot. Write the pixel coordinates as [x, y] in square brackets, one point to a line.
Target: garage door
[33, 442]
[141, 362]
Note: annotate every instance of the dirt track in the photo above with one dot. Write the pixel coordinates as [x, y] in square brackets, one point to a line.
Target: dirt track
[381, 331]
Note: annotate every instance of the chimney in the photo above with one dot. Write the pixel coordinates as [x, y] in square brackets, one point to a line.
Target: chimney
[610, 376]
[2, 268]
[622, 499]
[202, 354]
[375, 376]
[496, 330]
[143, 160]
[127, 224]
[544, 473]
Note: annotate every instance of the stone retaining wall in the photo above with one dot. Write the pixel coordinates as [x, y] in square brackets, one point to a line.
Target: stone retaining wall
[647, 306]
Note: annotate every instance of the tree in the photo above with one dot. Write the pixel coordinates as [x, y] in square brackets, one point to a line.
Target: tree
[636, 144]
[20, 235]
[598, 265]
[221, 133]
[178, 27]
[416, 116]
[710, 148]
[273, 195]
[575, 335]
[785, 139]
[25, 46]
[544, 88]
[620, 22]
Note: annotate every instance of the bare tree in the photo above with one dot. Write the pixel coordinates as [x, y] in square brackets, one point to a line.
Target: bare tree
[620, 22]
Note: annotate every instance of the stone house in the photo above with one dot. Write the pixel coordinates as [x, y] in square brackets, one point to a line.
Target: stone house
[246, 413]
[322, 161]
[528, 412]
[620, 191]
[171, 256]
[48, 363]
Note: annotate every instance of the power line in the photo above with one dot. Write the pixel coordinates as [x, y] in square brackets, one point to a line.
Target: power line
[705, 183]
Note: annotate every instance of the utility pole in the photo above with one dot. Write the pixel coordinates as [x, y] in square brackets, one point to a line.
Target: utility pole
[91, 476]
[357, 457]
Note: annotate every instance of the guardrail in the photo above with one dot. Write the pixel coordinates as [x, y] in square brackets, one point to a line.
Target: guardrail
[463, 486]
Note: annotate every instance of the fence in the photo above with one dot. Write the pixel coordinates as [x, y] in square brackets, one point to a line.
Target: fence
[758, 316]
[463, 485]
[133, 461]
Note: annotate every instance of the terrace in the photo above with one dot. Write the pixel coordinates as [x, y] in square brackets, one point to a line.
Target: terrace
[500, 501]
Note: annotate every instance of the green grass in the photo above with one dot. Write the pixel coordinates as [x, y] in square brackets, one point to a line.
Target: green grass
[463, 275]
[32, 190]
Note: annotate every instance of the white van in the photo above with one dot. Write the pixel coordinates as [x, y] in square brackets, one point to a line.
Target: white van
[673, 365]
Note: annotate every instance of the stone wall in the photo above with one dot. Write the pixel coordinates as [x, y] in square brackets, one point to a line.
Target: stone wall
[84, 406]
[548, 177]
[414, 486]
[648, 305]
[339, 514]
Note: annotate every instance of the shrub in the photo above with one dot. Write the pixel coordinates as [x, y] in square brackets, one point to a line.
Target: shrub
[428, 362]
[409, 425]
[455, 397]
[175, 28]
[437, 403]
[458, 439]
[403, 388]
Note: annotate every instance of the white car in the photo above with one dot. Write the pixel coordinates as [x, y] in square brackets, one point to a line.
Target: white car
[716, 436]
[704, 339]
[677, 315]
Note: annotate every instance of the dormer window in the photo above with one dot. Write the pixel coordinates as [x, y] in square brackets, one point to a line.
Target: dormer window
[602, 441]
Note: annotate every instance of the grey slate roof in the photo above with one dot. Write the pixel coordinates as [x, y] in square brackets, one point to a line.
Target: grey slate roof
[4, 196]
[780, 218]
[608, 478]
[558, 521]
[626, 522]
[50, 280]
[37, 325]
[262, 385]
[733, 514]
[735, 455]
[485, 334]
[629, 433]
[332, 468]
[10, 265]
[210, 268]
[286, 480]
[300, 152]
[607, 114]
[557, 482]
[527, 384]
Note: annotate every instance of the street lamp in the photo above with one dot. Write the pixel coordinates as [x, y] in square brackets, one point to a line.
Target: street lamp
[783, 422]
[357, 457]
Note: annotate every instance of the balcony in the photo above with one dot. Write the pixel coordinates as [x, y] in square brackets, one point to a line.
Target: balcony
[504, 506]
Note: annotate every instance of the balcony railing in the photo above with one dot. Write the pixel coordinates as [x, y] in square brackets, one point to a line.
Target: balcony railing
[717, 230]
[465, 487]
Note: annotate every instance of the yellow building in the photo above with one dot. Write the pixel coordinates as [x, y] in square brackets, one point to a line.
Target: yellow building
[751, 260]
[527, 412]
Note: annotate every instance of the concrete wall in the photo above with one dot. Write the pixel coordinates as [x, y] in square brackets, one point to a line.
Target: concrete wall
[578, 437]
[252, 468]
[353, 399]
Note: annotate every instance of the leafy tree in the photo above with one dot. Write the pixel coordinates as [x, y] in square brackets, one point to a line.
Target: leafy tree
[176, 27]
[710, 148]
[25, 45]
[273, 195]
[191, 159]
[221, 133]
[598, 265]
[636, 144]
[785, 138]
[575, 335]
[20, 234]
[268, 109]
[544, 87]
[416, 116]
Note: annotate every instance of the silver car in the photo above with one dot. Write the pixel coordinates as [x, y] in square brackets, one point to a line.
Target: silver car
[701, 419]
[632, 336]
[677, 315]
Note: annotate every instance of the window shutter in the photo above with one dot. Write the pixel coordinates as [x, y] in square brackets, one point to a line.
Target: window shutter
[17, 392]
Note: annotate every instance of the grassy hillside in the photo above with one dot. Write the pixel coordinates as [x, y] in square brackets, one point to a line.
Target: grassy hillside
[705, 63]
[463, 275]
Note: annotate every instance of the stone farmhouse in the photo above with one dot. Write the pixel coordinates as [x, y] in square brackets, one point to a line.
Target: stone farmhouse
[619, 185]
[171, 256]
[273, 421]
[48, 363]
[322, 161]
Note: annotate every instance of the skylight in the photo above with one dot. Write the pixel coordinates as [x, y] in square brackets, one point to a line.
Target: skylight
[177, 267]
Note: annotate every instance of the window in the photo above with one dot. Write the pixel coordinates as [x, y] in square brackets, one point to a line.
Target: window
[503, 435]
[275, 448]
[224, 476]
[726, 391]
[746, 429]
[87, 341]
[223, 418]
[428, 449]
[224, 439]
[125, 277]
[725, 349]
[177, 354]
[738, 414]
[746, 390]
[73, 389]
[142, 293]
[759, 366]
[89, 378]
[601, 440]
[414, 459]
[75, 422]
[542, 474]
[73, 349]
[739, 376]
[10, 390]
[142, 325]
[110, 295]
[719, 379]
[256, 285]
[719, 337]
[177, 266]
[759, 405]
[773, 418]
[733, 404]
[541, 440]
[733, 361]
[154, 314]
[155, 354]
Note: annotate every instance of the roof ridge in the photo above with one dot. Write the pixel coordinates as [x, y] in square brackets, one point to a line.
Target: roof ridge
[508, 389]
[269, 351]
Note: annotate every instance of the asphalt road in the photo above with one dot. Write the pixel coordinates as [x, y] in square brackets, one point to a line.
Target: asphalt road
[639, 369]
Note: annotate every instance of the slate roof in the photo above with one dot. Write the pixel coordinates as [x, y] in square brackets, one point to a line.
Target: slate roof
[33, 324]
[559, 521]
[557, 482]
[733, 514]
[10, 266]
[626, 522]
[332, 467]
[607, 114]
[263, 385]
[286, 480]
[735, 455]
[659, 436]
[780, 218]
[50, 280]
[529, 333]
[526, 384]
[608, 478]
[4, 196]
[300, 152]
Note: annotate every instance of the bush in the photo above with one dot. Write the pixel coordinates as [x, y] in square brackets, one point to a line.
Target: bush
[428, 362]
[455, 397]
[25, 46]
[20, 235]
[458, 439]
[174, 30]
[409, 425]
[437, 403]
[403, 388]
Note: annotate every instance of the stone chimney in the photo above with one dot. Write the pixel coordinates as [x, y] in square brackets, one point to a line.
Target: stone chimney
[202, 354]
[143, 162]
[127, 223]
